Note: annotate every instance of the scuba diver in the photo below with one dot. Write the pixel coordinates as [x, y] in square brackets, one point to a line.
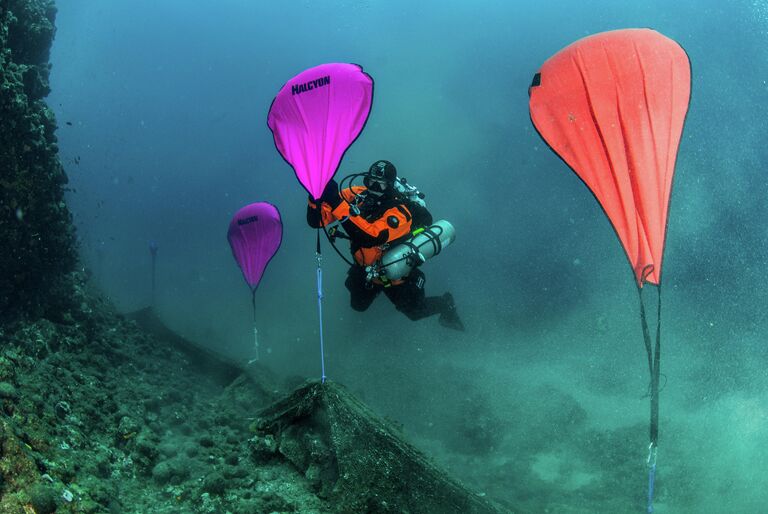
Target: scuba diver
[379, 215]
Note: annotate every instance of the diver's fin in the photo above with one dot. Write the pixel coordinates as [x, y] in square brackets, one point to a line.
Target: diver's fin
[449, 318]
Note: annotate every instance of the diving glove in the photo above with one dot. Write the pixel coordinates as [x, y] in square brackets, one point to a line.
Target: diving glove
[331, 194]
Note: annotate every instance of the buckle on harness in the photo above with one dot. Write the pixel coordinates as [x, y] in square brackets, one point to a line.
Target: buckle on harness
[415, 258]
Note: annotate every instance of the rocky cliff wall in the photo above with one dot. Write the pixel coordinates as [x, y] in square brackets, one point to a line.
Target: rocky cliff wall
[37, 249]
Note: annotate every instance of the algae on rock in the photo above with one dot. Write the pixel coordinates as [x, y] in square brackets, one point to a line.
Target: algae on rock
[36, 234]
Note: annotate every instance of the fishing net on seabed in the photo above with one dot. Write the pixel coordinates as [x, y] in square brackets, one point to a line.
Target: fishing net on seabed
[357, 461]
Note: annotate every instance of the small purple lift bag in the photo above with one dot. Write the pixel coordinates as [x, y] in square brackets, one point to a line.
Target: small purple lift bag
[316, 116]
[254, 234]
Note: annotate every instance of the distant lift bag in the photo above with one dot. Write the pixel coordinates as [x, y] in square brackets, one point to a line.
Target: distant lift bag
[424, 243]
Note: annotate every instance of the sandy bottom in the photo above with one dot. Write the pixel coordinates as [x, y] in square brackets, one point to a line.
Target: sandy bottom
[556, 420]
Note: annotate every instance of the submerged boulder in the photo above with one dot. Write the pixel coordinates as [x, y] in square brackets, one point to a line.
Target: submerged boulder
[357, 461]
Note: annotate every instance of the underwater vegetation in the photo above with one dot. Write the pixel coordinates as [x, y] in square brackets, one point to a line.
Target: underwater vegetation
[100, 416]
[36, 234]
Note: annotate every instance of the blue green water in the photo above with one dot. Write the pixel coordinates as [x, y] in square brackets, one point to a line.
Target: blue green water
[541, 402]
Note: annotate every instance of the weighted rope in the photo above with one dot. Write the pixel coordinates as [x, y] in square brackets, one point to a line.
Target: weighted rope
[319, 258]
[255, 329]
[654, 366]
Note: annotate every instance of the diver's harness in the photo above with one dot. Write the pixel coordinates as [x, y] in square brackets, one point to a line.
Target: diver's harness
[378, 270]
[404, 190]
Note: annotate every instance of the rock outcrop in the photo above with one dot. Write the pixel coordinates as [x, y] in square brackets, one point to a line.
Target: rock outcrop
[37, 243]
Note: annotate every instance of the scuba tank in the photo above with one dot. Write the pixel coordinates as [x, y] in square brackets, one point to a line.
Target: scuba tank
[424, 243]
